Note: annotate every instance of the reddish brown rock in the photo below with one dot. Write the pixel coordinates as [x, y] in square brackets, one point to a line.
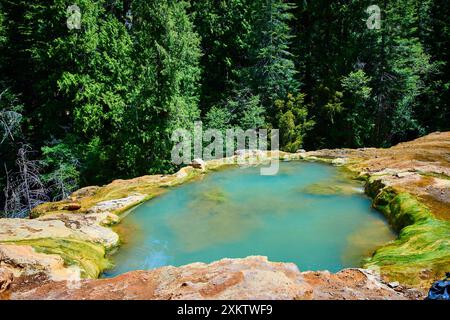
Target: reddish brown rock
[72, 207]
[198, 164]
[251, 278]
[356, 284]
[6, 278]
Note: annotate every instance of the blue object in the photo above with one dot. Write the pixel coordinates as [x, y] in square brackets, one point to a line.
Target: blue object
[440, 289]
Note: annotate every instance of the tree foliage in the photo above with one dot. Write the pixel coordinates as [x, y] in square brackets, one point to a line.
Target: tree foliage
[293, 121]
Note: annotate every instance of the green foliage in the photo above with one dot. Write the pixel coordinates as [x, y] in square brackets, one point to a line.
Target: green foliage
[165, 91]
[63, 170]
[10, 118]
[226, 28]
[246, 110]
[385, 74]
[253, 115]
[435, 37]
[293, 121]
[247, 48]
[334, 106]
[118, 88]
[273, 70]
[356, 84]
[2, 29]
[218, 118]
[399, 73]
[360, 114]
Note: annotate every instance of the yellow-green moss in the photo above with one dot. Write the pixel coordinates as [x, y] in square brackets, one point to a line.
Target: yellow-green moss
[421, 253]
[190, 175]
[403, 209]
[328, 189]
[435, 175]
[148, 186]
[90, 257]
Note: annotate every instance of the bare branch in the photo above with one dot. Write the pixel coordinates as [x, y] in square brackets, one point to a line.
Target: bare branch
[24, 189]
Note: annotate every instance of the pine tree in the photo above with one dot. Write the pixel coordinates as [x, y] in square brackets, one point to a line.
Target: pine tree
[74, 79]
[226, 29]
[166, 84]
[435, 38]
[273, 69]
[401, 65]
[331, 42]
[293, 121]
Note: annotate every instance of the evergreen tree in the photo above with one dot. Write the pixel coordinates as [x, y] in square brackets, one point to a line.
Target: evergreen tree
[225, 28]
[434, 24]
[72, 80]
[359, 113]
[400, 67]
[273, 69]
[331, 42]
[293, 121]
[166, 84]
[246, 49]
[244, 109]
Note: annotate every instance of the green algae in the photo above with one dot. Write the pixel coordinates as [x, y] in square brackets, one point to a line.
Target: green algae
[435, 175]
[328, 189]
[343, 183]
[402, 209]
[216, 194]
[421, 253]
[90, 257]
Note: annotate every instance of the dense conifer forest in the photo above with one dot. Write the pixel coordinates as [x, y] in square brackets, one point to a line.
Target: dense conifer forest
[91, 90]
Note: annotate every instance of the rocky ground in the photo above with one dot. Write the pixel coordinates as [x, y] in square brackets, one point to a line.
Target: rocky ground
[251, 278]
[45, 257]
[420, 167]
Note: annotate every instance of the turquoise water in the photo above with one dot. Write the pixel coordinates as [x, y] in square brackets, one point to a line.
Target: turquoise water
[309, 214]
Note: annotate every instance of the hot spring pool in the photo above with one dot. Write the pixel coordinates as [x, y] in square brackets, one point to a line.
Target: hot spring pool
[309, 214]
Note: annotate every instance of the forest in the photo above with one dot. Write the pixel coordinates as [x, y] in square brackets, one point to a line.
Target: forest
[91, 90]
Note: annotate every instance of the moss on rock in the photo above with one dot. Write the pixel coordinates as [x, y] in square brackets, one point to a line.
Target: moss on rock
[422, 251]
[90, 257]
